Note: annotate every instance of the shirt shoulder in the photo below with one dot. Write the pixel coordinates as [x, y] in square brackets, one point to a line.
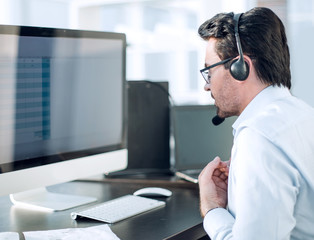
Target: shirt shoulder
[279, 117]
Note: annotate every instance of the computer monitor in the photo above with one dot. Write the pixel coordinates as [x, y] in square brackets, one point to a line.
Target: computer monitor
[62, 110]
[197, 140]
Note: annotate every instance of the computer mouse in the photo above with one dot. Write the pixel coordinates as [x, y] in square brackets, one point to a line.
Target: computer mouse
[153, 192]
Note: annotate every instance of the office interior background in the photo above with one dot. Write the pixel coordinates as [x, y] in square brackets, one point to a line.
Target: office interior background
[163, 44]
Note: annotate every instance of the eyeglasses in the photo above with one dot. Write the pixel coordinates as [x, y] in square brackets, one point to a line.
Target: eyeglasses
[205, 71]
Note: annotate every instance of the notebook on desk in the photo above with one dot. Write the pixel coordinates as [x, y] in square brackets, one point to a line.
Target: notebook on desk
[197, 140]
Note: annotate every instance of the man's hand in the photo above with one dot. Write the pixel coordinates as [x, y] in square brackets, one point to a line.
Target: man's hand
[213, 184]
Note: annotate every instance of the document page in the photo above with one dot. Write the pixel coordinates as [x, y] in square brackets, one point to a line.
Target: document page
[9, 236]
[99, 232]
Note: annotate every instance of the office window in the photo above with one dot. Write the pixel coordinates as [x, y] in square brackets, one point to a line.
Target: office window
[158, 66]
[154, 16]
[193, 85]
[300, 39]
[163, 44]
[111, 17]
[160, 29]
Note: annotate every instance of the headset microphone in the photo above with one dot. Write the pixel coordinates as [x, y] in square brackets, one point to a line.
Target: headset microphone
[217, 120]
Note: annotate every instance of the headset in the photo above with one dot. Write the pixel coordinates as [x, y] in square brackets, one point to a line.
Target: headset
[239, 69]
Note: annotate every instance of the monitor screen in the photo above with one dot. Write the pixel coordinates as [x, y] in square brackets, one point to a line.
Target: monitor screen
[61, 98]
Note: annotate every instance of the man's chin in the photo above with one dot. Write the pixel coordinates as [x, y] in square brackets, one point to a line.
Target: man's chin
[221, 114]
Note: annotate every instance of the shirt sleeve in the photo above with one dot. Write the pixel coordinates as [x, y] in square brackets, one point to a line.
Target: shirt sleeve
[263, 187]
[218, 223]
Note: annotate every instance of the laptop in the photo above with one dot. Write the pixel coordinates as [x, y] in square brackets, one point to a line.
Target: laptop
[197, 141]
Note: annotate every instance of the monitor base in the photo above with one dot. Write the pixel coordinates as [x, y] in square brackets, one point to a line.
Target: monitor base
[140, 173]
[41, 199]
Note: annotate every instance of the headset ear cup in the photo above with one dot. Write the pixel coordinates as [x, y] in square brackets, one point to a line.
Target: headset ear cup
[239, 69]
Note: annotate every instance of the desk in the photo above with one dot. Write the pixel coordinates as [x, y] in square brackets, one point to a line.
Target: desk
[179, 219]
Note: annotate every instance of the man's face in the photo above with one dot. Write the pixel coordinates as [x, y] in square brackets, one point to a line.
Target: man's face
[224, 89]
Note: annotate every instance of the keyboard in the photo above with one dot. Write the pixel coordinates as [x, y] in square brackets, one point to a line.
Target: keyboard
[119, 209]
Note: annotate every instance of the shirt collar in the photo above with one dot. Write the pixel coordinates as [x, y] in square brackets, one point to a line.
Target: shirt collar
[266, 96]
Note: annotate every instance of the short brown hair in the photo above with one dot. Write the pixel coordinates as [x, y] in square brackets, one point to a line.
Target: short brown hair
[263, 38]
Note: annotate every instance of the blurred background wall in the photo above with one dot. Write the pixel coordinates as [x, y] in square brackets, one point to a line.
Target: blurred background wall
[163, 44]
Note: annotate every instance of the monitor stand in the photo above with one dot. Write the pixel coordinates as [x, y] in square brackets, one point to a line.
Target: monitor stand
[140, 173]
[41, 199]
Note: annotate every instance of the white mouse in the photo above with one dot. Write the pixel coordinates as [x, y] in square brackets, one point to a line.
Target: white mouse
[153, 192]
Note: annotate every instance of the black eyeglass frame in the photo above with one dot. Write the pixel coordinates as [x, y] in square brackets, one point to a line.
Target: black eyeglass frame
[205, 76]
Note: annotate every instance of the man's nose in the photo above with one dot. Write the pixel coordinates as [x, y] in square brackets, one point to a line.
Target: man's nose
[207, 87]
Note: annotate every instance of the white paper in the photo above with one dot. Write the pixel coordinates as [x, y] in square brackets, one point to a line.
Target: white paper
[102, 232]
[9, 236]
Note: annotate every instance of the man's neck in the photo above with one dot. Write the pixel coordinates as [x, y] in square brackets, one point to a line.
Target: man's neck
[250, 92]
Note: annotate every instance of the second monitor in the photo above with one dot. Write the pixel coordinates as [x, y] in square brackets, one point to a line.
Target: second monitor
[197, 140]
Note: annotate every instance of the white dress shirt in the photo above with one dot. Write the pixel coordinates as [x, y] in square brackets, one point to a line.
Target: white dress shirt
[271, 176]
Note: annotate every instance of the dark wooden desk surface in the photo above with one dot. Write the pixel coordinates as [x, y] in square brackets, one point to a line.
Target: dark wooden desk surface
[179, 219]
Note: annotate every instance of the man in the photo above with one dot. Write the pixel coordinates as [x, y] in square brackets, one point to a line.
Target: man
[267, 192]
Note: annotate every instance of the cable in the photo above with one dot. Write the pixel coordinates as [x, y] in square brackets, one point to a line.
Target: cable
[171, 101]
